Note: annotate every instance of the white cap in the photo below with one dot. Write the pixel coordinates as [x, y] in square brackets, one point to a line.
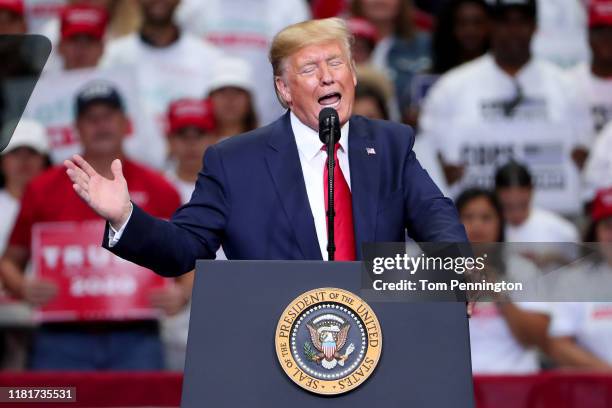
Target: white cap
[29, 133]
[232, 72]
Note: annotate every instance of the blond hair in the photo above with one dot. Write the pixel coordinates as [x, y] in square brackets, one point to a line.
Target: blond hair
[297, 36]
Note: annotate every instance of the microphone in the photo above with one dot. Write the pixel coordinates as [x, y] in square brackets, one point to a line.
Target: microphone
[329, 134]
[329, 125]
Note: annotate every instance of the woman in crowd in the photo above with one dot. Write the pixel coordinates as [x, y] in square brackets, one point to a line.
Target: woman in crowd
[526, 223]
[503, 333]
[581, 332]
[370, 102]
[401, 50]
[461, 34]
[25, 157]
[373, 94]
[231, 94]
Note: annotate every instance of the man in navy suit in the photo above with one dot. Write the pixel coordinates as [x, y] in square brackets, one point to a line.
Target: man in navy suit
[262, 194]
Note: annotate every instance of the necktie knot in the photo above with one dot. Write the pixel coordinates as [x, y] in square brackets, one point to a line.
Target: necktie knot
[336, 147]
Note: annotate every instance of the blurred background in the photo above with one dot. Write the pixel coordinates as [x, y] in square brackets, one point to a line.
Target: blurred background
[511, 101]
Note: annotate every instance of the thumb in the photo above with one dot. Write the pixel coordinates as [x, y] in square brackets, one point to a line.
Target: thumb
[117, 169]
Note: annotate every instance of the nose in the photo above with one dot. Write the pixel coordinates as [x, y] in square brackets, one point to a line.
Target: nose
[326, 77]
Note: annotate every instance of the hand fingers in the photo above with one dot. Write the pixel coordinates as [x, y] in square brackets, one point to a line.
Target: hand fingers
[86, 167]
[117, 169]
[81, 179]
[69, 164]
[73, 170]
[84, 194]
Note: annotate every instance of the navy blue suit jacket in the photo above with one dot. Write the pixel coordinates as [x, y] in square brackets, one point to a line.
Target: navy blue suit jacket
[251, 198]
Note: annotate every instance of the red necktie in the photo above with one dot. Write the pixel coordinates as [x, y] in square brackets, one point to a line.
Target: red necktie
[343, 221]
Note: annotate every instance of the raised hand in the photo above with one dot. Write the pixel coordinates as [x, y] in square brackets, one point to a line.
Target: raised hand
[110, 199]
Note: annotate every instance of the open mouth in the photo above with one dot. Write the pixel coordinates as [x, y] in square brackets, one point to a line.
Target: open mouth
[330, 99]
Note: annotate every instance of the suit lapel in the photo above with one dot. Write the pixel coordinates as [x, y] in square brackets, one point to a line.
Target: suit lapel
[365, 169]
[284, 163]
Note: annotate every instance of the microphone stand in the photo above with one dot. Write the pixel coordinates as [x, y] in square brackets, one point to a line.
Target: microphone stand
[331, 213]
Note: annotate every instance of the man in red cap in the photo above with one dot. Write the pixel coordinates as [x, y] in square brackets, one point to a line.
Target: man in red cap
[82, 33]
[88, 345]
[190, 126]
[12, 20]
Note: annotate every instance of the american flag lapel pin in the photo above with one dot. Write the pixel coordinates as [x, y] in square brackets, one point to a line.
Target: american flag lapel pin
[370, 151]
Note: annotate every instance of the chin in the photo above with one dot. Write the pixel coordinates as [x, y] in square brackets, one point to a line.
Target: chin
[344, 114]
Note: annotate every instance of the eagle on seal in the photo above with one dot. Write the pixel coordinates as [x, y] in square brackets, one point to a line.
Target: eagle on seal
[328, 334]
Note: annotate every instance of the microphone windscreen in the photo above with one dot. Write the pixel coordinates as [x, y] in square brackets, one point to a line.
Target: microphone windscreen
[328, 117]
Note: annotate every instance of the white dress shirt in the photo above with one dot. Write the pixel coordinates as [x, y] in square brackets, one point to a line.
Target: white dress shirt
[312, 161]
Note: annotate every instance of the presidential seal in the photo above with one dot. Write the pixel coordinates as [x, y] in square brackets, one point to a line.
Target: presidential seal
[328, 341]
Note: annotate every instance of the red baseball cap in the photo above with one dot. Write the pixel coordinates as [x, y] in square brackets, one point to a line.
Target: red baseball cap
[190, 112]
[361, 27]
[602, 205]
[600, 13]
[16, 6]
[84, 19]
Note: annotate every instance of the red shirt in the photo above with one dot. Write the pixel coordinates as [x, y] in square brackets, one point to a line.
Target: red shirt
[50, 197]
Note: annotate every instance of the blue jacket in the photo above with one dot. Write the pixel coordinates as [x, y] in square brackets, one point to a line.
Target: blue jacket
[251, 198]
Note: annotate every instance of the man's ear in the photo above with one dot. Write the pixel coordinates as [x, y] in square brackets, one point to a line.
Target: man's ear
[283, 89]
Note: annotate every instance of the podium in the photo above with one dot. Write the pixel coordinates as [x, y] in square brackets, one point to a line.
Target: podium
[232, 360]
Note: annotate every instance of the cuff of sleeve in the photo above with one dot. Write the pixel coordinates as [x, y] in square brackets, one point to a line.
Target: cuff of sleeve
[115, 235]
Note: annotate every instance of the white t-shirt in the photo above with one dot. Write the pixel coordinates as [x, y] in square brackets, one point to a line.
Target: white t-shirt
[245, 28]
[464, 115]
[494, 348]
[596, 91]
[590, 323]
[428, 158]
[180, 70]
[561, 37]
[184, 188]
[598, 169]
[9, 207]
[543, 226]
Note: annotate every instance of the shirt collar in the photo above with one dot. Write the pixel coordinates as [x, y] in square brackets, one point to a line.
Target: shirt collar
[524, 71]
[307, 139]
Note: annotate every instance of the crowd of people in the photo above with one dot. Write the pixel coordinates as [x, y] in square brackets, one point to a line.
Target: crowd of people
[511, 100]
